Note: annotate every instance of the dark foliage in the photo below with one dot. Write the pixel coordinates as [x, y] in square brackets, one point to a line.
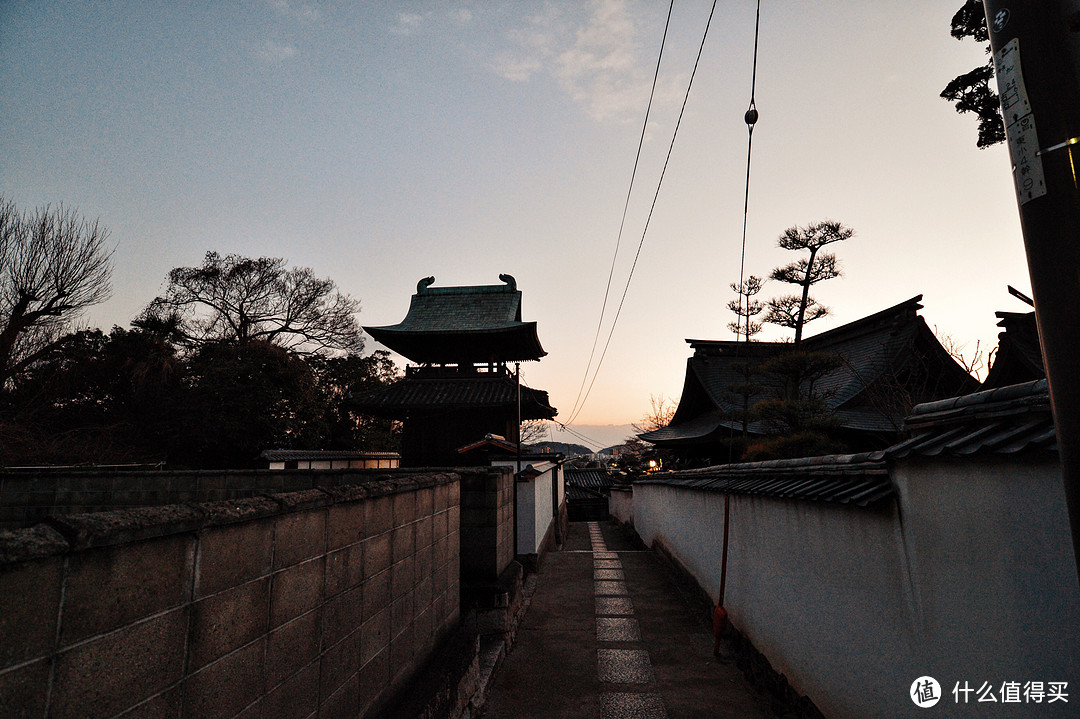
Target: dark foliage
[239, 399]
[792, 446]
[797, 416]
[971, 91]
[92, 398]
[233, 360]
[338, 379]
[129, 397]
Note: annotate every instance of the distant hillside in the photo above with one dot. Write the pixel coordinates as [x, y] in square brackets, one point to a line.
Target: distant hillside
[595, 435]
[568, 450]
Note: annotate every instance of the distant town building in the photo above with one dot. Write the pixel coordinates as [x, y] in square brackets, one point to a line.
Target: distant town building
[329, 459]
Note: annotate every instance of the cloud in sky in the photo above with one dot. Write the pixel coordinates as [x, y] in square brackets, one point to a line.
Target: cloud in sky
[295, 11]
[276, 52]
[413, 23]
[378, 158]
[600, 62]
[408, 23]
[462, 15]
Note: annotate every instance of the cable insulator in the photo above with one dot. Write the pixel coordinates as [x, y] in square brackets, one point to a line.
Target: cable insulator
[751, 116]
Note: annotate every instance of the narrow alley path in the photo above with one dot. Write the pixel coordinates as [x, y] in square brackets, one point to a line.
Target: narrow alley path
[608, 635]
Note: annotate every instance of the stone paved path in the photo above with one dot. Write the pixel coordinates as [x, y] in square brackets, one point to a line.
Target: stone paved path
[608, 635]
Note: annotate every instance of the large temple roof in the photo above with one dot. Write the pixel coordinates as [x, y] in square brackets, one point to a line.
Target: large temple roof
[1018, 357]
[887, 355]
[460, 325]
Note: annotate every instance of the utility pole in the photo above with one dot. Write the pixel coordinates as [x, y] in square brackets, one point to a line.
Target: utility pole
[1036, 46]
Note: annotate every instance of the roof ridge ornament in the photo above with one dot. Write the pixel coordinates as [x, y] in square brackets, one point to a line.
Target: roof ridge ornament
[422, 285]
[509, 280]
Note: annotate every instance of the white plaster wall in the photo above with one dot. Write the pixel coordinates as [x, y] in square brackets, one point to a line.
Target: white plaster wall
[561, 485]
[995, 589]
[544, 514]
[621, 505]
[526, 517]
[534, 510]
[968, 576]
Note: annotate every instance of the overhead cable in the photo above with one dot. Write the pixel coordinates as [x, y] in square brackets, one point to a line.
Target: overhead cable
[648, 219]
[751, 118]
[626, 206]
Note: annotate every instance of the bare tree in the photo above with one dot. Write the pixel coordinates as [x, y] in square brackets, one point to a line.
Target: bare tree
[659, 415]
[533, 431]
[240, 299]
[53, 265]
[795, 311]
[974, 362]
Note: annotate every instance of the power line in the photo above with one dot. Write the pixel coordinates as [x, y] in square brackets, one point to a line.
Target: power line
[751, 118]
[648, 219]
[626, 206]
[563, 427]
[578, 435]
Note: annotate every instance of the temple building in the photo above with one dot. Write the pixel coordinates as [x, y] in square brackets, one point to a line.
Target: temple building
[461, 388]
[889, 362]
[1018, 358]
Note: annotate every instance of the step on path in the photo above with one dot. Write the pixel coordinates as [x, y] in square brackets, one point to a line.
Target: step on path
[618, 658]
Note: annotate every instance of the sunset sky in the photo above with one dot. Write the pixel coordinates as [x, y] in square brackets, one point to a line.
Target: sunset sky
[382, 142]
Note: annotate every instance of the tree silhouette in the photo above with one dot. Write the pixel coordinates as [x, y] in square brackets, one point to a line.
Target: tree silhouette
[746, 308]
[236, 299]
[53, 265]
[794, 311]
[971, 92]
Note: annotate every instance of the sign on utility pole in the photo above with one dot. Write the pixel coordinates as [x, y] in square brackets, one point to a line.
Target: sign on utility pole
[1036, 45]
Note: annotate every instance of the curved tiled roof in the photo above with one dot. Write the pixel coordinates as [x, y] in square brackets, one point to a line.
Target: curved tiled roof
[592, 478]
[450, 325]
[441, 393]
[1002, 421]
[857, 479]
[576, 494]
[876, 350]
[285, 455]
[1018, 357]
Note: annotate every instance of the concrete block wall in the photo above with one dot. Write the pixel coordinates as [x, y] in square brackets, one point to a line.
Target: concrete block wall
[621, 504]
[318, 603]
[487, 522]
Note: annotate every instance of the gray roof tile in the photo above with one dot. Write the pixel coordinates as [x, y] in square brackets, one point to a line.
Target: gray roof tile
[478, 323]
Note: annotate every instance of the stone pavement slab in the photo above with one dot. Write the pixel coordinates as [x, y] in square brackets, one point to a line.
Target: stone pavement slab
[596, 645]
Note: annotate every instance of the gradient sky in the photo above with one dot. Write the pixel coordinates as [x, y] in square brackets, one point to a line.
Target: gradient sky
[382, 142]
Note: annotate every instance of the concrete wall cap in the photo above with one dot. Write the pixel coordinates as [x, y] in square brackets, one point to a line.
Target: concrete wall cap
[103, 529]
[348, 492]
[303, 499]
[237, 510]
[37, 542]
